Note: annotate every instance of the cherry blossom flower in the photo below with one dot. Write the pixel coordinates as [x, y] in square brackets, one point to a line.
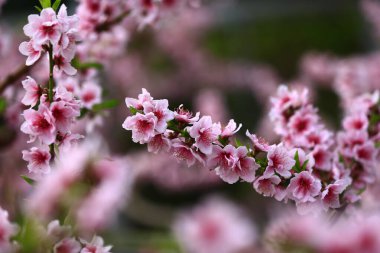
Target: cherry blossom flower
[158, 143]
[304, 187]
[358, 122]
[280, 161]
[267, 185]
[230, 129]
[67, 245]
[205, 133]
[184, 153]
[215, 226]
[33, 92]
[90, 94]
[160, 109]
[259, 144]
[38, 159]
[31, 50]
[183, 115]
[39, 124]
[63, 114]
[142, 127]
[95, 246]
[330, 196]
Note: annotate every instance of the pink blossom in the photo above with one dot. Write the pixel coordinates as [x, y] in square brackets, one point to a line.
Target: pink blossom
[63, 65]
[184, 153]
[39, 124]
[205, 133]
[303, 121]
[358, 122]
[365, 153]
[67, 245]
[330, 196]
[259, 144]
[142, 127]
[31, 50]
[43, 28]
[158, 143]
[215, 226]
[322, 158]
[183, 115]
[304, 187]
[231, 129]
[160, 109]
[67, 140]
[64, 115]
[90, 94]
[143, 98]
[95, 246]
[8, 230]
[33, 92]
[280, 161]
[71, 84]
[38, 159]
[267, 185]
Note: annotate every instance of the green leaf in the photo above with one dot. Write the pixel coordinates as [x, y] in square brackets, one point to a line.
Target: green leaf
[3, 105]
[297, 167]
[28, 180]
[105, 105]
[38, 8]
[304, 165]
[134, 111]
[238, 143]
[45, 3]
[56, 5]
[375, 118]
[86, 65]
[377, 144]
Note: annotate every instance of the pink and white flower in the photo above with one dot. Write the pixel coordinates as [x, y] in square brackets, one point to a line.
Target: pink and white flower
[31, 50]
[160, 109]
[330, 196]
[67, 245]
[280, 161]
[95, 246]
[33, 92]
[205, 132]
[267, 185]
[40, 124]
[38, 159]
[304, 187]
[90, 94]
[142, 127]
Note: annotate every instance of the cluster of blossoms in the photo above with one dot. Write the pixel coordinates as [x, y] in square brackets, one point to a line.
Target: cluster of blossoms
[214, 226]
[315, 234]
[301, 168]
[52, 109]
[99, 186]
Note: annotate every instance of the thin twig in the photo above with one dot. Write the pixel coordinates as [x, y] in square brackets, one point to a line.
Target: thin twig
[14, 77]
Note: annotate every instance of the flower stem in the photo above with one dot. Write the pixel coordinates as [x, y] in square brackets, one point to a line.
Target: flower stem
[50, 91]
[51, 77]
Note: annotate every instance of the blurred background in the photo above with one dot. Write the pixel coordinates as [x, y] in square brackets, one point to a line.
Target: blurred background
[224, 59]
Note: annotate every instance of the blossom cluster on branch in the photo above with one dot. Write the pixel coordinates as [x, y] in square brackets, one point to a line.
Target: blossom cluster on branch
[306, 166]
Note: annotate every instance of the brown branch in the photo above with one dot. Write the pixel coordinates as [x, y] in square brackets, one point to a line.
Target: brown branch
[13, 77]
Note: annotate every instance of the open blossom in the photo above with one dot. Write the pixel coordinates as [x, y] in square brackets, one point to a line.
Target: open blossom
[142, 127]
[33, 92]
[304, 187]
[259, 144]
[330, 196]
[160, 109]
[280, 161]
[233, 164]
[144, 97]
[183, 115]
[31, 50]
[67, 245]
[184, 153]
[230, 129]
[95, 246]
[205, 132]
[215, 226]
[63, 114]
[267, 185]
[39, 124]
[90, 94]
[358, 122]
[38, 159]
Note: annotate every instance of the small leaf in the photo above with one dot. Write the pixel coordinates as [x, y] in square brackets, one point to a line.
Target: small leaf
[304, 165]
[3, 105]
[38, 8]
[45, 3]
[297, 166]
[56, 5]
[238, 143]
[86, 65]
[108, 104]
[377, 144]
[134, 111]
[28, 180]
